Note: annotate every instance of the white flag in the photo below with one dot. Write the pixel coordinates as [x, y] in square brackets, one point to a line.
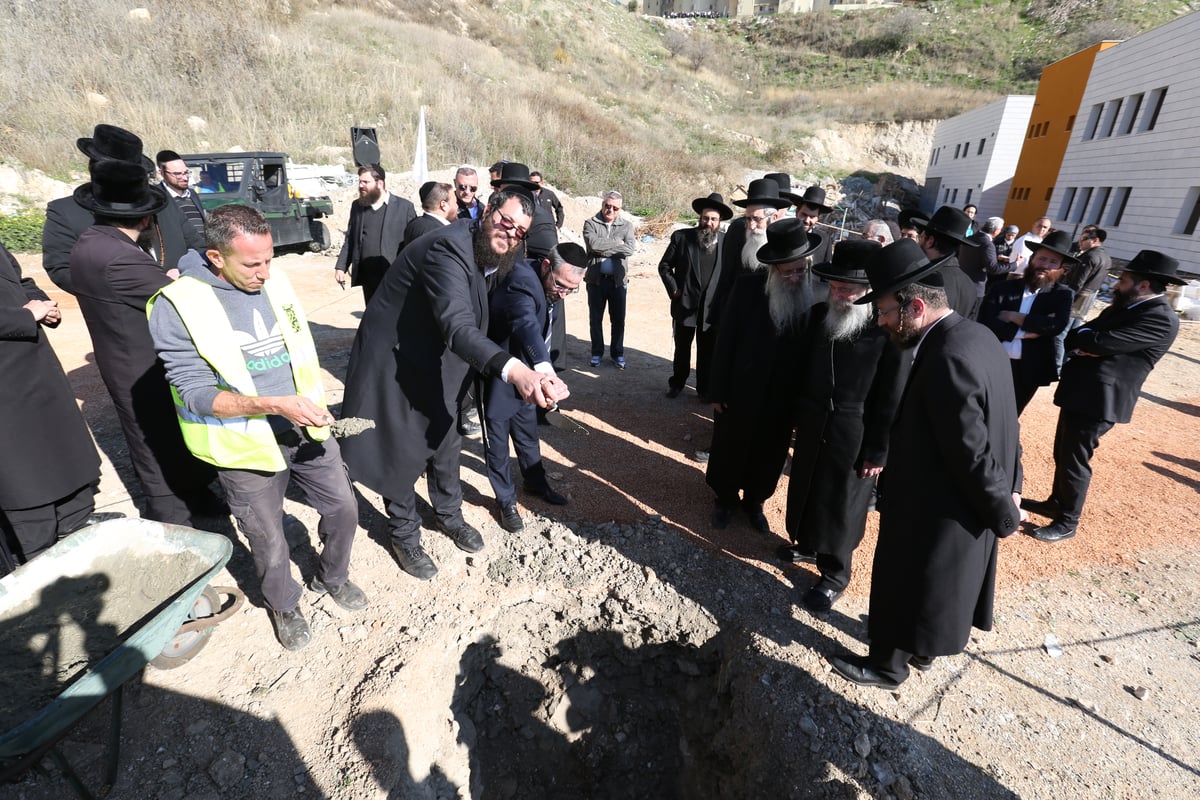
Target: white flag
[420, 167]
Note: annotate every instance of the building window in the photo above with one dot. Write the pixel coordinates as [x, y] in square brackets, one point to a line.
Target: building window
[1068, 198]
[1049, 193]
[954, 196]
[1190, 214]
[1070, 123]
[1131, 112]
[1093, 120]
[1085, 197]
[1118, 207]
[967, 201]
[1102, 195]
[1110, 118]
[1153, 108]
[946, 196]
[982, 142]
[957, 150]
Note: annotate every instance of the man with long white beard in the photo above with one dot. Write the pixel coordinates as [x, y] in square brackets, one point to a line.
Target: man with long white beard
[850, 384]
[754, 378]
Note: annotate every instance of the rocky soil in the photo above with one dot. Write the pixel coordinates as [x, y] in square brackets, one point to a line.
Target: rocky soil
[619, 647]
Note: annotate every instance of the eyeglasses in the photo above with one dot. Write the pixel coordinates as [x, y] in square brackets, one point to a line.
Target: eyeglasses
[506, 222]
[882, 313]
[462, 187]
[175, 174]
[562, 290]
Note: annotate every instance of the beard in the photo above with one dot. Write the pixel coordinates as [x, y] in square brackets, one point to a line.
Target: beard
[754, 241]
[487, 259]
[906, 335]
[370, 198]
[845, 321]
[707, 239]
[1036, 280]
[1123, 299]
[788, 302]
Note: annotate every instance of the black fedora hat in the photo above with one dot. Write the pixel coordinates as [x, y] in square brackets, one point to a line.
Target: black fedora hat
[950, 222]
[1058, 242]
[1154, 264]
[908, 218]
[848, 262]
[813, 196]
[763, 192]
[110, 143]
[119, 189]
[787, 240]
[897, 265]
[715, 202]
[516, 174]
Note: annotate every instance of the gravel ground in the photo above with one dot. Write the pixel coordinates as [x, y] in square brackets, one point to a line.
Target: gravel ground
[618, 647]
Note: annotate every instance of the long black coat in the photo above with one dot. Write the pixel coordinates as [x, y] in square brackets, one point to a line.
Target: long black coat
[48, 450]
[66, 221]
[1128, 342]
[419, 339]
[691, 297]
[397, 213]
[849, 391]
[946, 495]
[755, 372]
[1047, 317]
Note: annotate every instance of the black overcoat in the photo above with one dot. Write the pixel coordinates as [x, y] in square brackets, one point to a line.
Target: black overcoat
[946, 494]
[692, 297]
[48, 450]
[397, 213]
[1048, 317]
[849, 391]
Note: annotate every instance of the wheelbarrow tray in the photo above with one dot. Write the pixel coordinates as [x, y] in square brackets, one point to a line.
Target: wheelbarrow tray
[88, 614]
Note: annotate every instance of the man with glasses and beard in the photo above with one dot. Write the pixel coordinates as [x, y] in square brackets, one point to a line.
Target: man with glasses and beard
[412, 357]
[1111, 356]
[754, 376]
[953, 476]
[1027, 315]
[850, 385]
[689, 269]
[375, 234]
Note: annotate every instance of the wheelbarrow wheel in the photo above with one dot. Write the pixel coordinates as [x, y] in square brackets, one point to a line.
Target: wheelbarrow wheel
[191, 639]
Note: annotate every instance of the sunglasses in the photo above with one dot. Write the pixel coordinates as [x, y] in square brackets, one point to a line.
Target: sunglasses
[462, 187]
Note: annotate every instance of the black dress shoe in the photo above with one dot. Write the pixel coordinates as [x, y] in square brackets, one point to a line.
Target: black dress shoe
[348, 596]
[510, 519]
[415, 561]
[702, 456]
[1054, 532]
[856, 670]
[469, 428]
[721, 517]
[1046, 508]
[795, 554]
[820, 599]
[463, 535]
[549, 495]
[673, 392]
[291, 629]
[921, 663]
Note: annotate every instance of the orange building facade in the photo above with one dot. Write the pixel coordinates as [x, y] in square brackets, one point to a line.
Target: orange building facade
[1055, 109]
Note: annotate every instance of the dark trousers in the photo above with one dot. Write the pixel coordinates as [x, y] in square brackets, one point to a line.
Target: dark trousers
[256, 500]
[26, 532]
[1024, 388]
[706, 342]
[1075, 439]
[558, 334]
[835, 569]
[521, 427]
[607, 291]
[681, 363]
[445, 491]
[890, 662]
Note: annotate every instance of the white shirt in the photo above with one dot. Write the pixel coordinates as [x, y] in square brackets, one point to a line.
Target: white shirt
[1013, 348]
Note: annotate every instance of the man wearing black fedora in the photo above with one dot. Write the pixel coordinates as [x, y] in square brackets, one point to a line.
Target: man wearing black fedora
[691, 271]
[850, 385]
[755, 378]
[809, 208]
[114, 279]
[1111, 357]
[941, 236]
[1027, 316]
[952, 482]
[168, 238]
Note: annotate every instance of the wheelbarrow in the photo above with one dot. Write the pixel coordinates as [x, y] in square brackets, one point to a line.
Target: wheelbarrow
[86, 616]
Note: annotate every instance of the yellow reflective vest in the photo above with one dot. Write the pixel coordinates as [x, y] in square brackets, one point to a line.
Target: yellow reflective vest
[241, 442]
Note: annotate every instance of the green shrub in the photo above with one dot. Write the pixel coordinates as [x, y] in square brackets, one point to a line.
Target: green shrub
[22, 232]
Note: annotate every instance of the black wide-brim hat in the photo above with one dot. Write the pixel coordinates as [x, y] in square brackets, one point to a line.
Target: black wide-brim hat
[1058, 242]
[119, 189]
[813, 196]
[950, 222]
[110, 143]
[715, 202]
[787, 240]
[848, 264]
[763, 192]
[517, 174]
[897, 265]
[1154, 264]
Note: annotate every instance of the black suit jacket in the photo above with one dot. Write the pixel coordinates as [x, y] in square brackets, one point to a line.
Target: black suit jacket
[420, 226]
[518, 322]
[1048, 317]
[960, 289]
[1125, 344]
[397, 213]
[691, 300]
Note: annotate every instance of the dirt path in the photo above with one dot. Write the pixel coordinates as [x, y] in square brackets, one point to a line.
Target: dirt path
[619, 647]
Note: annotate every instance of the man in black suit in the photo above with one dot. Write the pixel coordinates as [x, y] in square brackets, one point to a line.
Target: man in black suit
[521, 322]
[375, 233]
[1027, 316]
[176, 179]
[941, 237]
[167, 238]
[547, 199]
[809, 208]
[1111, 356]
[688, 269]
[437, 210]
[952, 481]
[414, 352]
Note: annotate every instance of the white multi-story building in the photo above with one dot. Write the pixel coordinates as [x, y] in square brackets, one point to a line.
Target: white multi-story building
[974, 156]
[1133, 165]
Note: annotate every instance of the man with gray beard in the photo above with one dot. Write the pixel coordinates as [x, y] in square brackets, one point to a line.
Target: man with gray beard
[755, 377]
[851, 380]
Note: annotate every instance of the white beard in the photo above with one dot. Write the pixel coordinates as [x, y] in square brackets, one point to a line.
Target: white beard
[754, 241]
[845, 323]
[788, 304]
